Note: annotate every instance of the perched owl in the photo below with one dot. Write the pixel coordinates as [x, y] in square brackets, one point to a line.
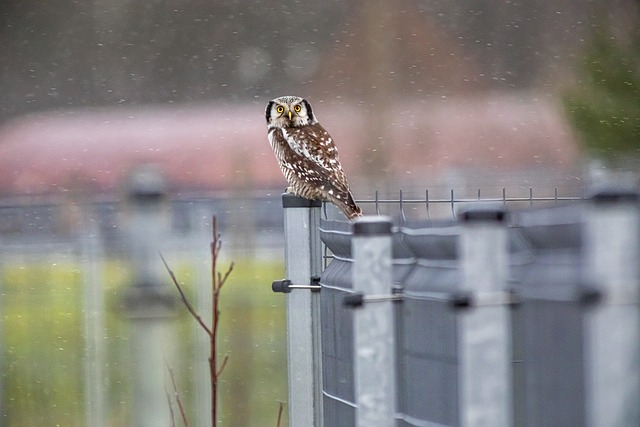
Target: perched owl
[307, 155]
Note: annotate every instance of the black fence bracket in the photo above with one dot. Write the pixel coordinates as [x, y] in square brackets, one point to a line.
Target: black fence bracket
[358, 299]
[465, 300]
[285, 286]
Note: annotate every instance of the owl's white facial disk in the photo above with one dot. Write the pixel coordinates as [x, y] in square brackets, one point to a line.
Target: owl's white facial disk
[289, 111]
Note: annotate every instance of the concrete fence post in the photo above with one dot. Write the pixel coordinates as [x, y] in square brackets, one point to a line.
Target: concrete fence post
[612, 324]
[91, 255]
[303, 260]
[483, 326]
[375, 378]
[149, 302]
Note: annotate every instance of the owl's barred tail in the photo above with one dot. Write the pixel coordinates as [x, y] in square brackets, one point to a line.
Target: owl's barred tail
[349, 208]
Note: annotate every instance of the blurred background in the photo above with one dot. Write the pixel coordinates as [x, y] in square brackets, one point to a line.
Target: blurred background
[439, 95]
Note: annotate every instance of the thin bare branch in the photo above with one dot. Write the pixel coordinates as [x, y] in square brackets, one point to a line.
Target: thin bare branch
[217, 280]
[176, 394]
[222, 366]
[185, 300]
[222, 280]
[216, 284]
[173, 417]
[280, 409]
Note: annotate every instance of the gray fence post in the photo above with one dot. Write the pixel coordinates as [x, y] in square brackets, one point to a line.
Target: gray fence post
[91, 255]
[303, 259]
[612, 327]
[375, 383]
[149, 301]
[483, 328]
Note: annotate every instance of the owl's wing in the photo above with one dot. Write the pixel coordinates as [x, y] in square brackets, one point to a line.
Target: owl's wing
[316, 146]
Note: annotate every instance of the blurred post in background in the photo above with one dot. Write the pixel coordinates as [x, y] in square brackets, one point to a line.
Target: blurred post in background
[149, 302]
[95, 384]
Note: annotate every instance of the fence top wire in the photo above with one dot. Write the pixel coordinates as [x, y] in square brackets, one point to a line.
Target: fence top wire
[447, 226]
[454, 200]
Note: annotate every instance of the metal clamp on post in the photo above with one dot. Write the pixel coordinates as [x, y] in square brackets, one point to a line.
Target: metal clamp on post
[621, 294]
[358, 299]
[590, 295]
[285, 286]
[464, 300]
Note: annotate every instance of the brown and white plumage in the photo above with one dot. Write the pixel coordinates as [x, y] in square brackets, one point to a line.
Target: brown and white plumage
[307, 154]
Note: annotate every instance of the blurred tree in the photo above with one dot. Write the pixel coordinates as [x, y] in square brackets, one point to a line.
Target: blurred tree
[605, 109]
[87, 53]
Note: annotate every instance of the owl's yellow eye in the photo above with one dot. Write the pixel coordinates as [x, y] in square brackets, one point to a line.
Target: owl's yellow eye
[280, 109]
[297, 108]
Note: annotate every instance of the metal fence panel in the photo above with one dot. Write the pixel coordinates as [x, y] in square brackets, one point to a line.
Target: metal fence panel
[428, 326]
[428, 373]
[337, 330]
[568, 290]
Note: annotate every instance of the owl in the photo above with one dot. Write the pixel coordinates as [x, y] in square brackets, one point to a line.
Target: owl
[307, 154]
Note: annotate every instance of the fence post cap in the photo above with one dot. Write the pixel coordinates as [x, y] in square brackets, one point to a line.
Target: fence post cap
[496, 214]
[146, 183]
[372, 226]
[290, 200]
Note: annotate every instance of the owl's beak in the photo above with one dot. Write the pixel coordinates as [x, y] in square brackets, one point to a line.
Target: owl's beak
[289, 114]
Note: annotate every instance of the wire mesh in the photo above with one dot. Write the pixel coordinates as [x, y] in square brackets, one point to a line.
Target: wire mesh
[454, 200]
[429, 207]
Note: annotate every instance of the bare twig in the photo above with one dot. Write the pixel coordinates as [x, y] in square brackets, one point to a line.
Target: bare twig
[223, 279]
[222, 365]
[217, 281]
[280, 409]
[185, 300]
[183, 413]
[173, 417]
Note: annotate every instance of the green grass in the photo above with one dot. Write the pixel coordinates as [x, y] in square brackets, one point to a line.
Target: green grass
[42, 344]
